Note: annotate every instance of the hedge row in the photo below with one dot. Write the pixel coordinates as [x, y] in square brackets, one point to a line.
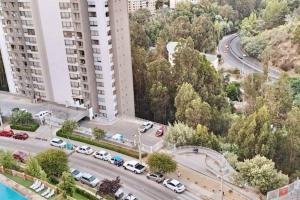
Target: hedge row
[86, 194]
[102, 144]
[28, 127]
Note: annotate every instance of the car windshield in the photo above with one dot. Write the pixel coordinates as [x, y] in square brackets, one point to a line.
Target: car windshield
[142, 126]
[75, 172]
[105, 154]
[88, 148]
[59, 141]
[179, 185]
[92, 178]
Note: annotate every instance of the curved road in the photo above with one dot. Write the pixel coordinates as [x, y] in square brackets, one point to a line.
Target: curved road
[233, 55]
[142, 188]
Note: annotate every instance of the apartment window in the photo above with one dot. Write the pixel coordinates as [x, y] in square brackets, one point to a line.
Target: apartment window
[92, 14]
[84, 78]
[85, 86]
[96, 50]
[65, 15]
[75, 84]
[97, 59]
[64, 5]
[91, 4]
[69, 42]
[22, 13]
[93, 23]
[71, 51]
[76, 92]
[102, 107]
[100, 84]
[72, 68]
[100, 92]
[101, 100]
[71, 60]
[99, 76]
[98, 67]
[95, 42]
[75, 6]
[74, 76]
[83, 70]
[66, 24]
[94, 33]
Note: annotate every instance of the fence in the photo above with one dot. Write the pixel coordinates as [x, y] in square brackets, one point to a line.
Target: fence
[288, 192]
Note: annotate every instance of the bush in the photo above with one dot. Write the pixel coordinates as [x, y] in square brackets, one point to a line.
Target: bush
[28, 127]
[86, 194]
[102, 144]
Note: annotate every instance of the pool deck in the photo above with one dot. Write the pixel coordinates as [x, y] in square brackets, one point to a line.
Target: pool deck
[21, 189]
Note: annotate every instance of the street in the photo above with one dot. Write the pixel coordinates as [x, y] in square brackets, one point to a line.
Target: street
[136, 184]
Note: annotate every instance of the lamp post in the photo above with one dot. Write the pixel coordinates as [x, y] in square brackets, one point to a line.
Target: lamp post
[139, 143]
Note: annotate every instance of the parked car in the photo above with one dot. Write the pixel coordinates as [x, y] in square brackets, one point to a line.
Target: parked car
[117, 160]
[76, 174]
[134, 166]
[130, 197]
[7, 133]
[18, 109]
[119, 194]
[103, 155]
[145, 127]
[85, 150]
[21, 136]
[160, 132]
[42, 114]
[20, 156]
[174, 185]
[89, 180]
[56, 142]
[156, 176]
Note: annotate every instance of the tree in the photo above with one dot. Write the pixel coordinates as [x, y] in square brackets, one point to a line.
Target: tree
[21, 118]
[204, 34]
[67, 184]
[275, 12]
[33, 168]
[109, 187]
[179, 134]
[260, 172]
[7, 160]
[244, 7]
[232, 158]
[228, 12]
[233, 91]
[296, 34]
[206, 139]
[180, 28]
[98, 133]
[68, 127]
[53, 161]
[161, 162]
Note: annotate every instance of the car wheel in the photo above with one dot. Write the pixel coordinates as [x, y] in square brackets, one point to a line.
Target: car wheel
[135, 172]
[175, 191]
[148, 177]
[125, 168]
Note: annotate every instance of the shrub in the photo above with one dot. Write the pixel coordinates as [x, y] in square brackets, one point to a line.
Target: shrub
[28, 127]
[101, 143]
[86, 194]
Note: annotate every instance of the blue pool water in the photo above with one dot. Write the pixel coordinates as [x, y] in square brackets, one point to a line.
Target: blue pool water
[6, 193]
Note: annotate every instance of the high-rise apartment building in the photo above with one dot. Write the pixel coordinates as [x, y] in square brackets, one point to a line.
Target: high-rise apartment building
[134, 5]
[173, 3]
[73, 52]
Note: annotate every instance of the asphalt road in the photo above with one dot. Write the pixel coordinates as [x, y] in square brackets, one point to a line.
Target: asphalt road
[142, 188]
[232, 54]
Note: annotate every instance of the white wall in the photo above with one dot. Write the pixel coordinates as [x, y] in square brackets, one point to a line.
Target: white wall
[55, 56]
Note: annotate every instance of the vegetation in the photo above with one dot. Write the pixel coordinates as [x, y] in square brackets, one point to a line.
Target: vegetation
[22, 120]
[53, 161]
[67, 184]
[69, 126]
[7, 160]
[33, 168]
[98, 133]
[81, 194]
[109, 187]
[161, 162]
[101, 143]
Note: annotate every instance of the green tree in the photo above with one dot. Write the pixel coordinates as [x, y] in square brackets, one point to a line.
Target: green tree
[244, 7]
[7, 160]
[206, 139]
[233, 91]
[68, 127]
[180, 28]
[53, 161]
[179, 134]
[98, 133]
[21, 118]
[296, 34]
[204, 34]
[33, 168]
[275, 12]
[161, 162]
[260, 172]
[67, 184]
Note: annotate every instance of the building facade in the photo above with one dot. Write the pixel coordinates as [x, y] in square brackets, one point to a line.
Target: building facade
[134, 5]
[174, 2]
[73, 52]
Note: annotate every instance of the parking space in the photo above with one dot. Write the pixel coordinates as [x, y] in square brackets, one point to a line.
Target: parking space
[9, 101]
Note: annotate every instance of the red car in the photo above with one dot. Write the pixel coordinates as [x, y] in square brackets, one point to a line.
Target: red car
[21, 136]
[20, 156]
[6, 133]
[160, 132]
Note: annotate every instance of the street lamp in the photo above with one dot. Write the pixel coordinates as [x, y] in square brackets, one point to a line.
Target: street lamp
[139, 144]
[222, 180]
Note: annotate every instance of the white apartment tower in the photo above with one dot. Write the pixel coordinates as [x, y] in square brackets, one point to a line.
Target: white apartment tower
[134, 5]
[73, 52]
[173, 3]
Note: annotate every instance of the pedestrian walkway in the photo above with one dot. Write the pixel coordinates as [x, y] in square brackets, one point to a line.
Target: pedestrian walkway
[21, 189]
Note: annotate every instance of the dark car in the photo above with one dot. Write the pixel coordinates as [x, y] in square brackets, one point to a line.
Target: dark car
[117, 160]
[20, 156]
[156, 176]
[160, 132]
[7, 133]
[21, 136]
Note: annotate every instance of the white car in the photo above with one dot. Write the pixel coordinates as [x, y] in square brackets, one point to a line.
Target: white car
[130, 197]
[56, 142]
[134, 166]
[85, 150]
[76, 174]
[174, 185]
[145, 126]
[42, 114]
[89, 180]
[103, 155]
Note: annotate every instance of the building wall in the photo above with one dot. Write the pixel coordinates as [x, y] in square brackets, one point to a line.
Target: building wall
[174, 2]
[134, 5]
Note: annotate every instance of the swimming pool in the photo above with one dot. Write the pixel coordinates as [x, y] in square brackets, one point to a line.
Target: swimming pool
[6, 193]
